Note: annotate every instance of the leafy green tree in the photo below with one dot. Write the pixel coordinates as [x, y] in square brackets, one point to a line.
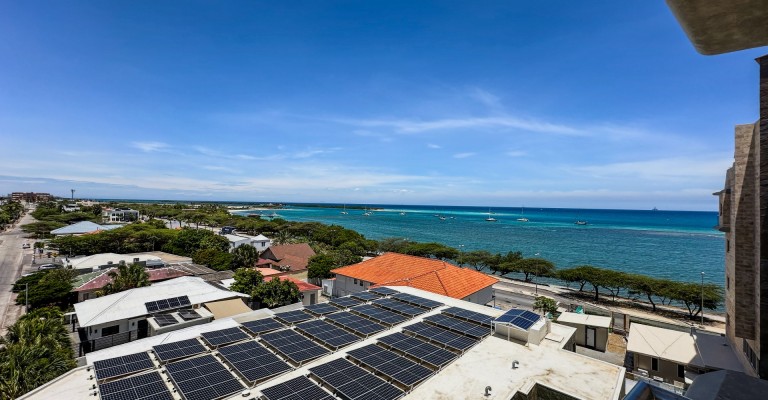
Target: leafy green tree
[276, 292]
[577, 274]
[246, 280]
[690, 295]
[244, 256]
[127, 276]
[320, 266]
[213, 258]
[646, 285]
[393, 245]
[536, 267]
[545, 304]
[42, 229]
[477, 259]
[432, 250]
[53, 289]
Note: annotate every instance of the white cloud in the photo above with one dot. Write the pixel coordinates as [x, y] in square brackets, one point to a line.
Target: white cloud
[221, 168]
[464, 155]
[149, 147]
[485, 97]
[434, 146]
[711, 166]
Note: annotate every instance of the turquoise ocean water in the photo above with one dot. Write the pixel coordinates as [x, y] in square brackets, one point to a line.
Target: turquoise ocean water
[669, 244]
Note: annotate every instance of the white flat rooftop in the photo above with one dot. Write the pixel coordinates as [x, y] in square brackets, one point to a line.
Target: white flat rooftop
[585, 319]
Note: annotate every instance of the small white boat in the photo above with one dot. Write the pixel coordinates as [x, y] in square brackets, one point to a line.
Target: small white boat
[490, 218]
[442, 218]
[402, 213]
[344, 211]
[367, 213]
[522, 216]
[581, 222]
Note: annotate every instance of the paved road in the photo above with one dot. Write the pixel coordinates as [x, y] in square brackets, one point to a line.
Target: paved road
[12, 258]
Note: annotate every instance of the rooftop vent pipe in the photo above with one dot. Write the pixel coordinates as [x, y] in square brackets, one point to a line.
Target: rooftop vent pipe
[487, 391]
[514, 364]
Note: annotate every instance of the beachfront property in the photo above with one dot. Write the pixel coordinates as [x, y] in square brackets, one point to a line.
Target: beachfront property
[113, 215]
[260, 242]
[122, 317]
[82, 228]
[591, 330]
[436, 276]
[286, 257]
[717, 27]
[677, 357]
[400, 343]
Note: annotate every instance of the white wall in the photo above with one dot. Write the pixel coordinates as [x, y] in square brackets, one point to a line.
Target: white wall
[307, 297]
[483, 296]
[345, 285]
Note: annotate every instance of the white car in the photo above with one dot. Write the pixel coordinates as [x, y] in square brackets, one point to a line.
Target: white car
[25, 246]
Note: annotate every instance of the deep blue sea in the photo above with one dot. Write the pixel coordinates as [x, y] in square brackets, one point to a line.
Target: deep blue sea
[669, 244]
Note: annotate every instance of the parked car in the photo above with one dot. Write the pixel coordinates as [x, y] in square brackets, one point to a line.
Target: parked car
[25, 245]
[48, 266]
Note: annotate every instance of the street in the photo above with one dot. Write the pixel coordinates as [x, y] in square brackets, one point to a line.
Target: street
[12, 258]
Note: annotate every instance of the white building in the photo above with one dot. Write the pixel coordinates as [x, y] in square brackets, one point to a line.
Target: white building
[113, 215]
[491, 368]
[82, 228]
[260, 242]
[107, 260]
[70, 208]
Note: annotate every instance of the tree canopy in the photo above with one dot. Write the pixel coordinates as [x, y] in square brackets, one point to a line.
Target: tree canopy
[127, 276]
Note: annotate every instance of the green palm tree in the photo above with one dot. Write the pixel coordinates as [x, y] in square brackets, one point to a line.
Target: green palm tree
[127, 276]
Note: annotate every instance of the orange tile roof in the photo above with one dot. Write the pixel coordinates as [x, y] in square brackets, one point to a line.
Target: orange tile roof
[393, 269]
[303, 286]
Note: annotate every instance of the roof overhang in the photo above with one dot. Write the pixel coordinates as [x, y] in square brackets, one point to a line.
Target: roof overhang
[717, 26]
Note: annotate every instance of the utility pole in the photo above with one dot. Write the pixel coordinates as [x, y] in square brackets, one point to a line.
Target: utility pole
[73, 193]
[702, 298]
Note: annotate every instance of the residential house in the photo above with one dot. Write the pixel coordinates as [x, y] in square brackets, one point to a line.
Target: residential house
[113, 215]
[436, 276]
[287, 257]
[82, 228]
[70, 208]
[676, 357]
[309, 293]
[260, 242]
[87, 285]
[101, 261]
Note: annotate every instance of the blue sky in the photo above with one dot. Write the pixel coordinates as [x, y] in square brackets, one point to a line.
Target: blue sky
[601, 104]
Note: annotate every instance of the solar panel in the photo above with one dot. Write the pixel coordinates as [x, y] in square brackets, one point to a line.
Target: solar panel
[441, 336]
[293, 345]
[417, 301]
[167, 304]
[355, 323]
[188, 315]
[379, 314]
[344, 302]
[418, 349]
[262, 325]
[224, 336]
[384, 291]
[144, 387]
[203, 378]
[399, 307]
[353, 382]
[293, 317]
[122, 365]
[321, 308]
[387, 363]
[300, 388]
[457, 325]
[252, 361]
[365, 296]
[175, 350]
[522, 319]
[165, 320]
[470, 316]
[327, 334]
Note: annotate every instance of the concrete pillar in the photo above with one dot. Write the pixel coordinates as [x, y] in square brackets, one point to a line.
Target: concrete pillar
[762, 274]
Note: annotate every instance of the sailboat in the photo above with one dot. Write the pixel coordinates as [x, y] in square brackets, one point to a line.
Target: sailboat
[581, 222]
[490, 218]
[522, 217]
[344, 211]
[367, 213]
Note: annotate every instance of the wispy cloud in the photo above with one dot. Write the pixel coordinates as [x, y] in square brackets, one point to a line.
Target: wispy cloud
[149, 147]
[516, 153]
[221, 168]
[710, 167]
[446, 124]
[486, 98]
[434, 146]
[464, 155]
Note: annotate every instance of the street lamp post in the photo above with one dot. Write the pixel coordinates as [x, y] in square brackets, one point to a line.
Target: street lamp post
[702, 298]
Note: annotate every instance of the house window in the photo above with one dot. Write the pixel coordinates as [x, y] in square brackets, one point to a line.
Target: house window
[655, 364]
[680, 371]
[355, 281]
[750, 354]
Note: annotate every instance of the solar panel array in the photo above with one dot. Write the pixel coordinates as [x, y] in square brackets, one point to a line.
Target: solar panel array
[365, 296]
[167, 304]
[202, 378]
[175, 350]
[165, 319]
[262, 325]
[457, 325]
[327, 334]
[353, 382]
[379, 314]
[418, 349]
[299, 388]
[344, 302]
[144, 387]
[384, 291]
[398, 368]
[470, 316]
[293, 317]
[252, 361]
[293, 345]
[355, 323]
[224, 336]
[124, 365]
[188, 315]
[321, 308]
[522, 319]
[441, 336]
[399, 306]
[417, 301]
